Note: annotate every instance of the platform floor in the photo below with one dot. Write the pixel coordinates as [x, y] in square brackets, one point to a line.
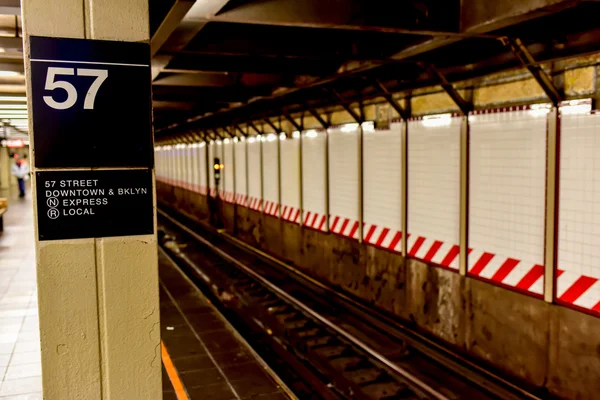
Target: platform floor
[211, 361]
[20, 365]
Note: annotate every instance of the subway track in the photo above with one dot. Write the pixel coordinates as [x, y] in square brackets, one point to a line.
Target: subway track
[335, 347]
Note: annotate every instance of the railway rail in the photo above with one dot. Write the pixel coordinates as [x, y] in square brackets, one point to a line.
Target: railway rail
[339, 347]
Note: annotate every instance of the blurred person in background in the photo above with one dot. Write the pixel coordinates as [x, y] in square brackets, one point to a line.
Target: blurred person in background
[20, 170]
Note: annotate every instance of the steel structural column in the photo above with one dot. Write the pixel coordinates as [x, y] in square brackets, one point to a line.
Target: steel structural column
[327, 208]
[235, 205]
[278, 138]
[301, 176]
[262, 172]
[464, 196]
[552, 175]
[361, 185]
[404, 187]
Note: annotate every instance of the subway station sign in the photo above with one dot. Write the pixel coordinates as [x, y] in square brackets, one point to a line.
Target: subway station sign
[83, 204]
[91, 103]
[91, 108]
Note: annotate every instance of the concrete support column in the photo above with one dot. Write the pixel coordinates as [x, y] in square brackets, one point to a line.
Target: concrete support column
[98, 298]
[5, 165]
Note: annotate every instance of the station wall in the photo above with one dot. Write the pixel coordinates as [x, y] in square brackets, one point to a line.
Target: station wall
[318, 174]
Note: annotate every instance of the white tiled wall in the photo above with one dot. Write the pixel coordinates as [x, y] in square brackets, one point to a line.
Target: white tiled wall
[382, 169]
[434, 187]
[343, 172]
[240, 168]
[202, 167]
[290, 173]
[228, 166]
[579, 211]
[254, 176]
[270, 168]
[507, 191]
[313, 173]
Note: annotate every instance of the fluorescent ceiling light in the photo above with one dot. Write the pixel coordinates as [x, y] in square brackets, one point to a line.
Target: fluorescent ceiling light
[349, 127]
[437, 120]
[282, 136]
[20, 112]
[9, 73]
[13, 116]
[2, 50]
[13, 106]
[311, 133]
[271, 137]
[13, 98]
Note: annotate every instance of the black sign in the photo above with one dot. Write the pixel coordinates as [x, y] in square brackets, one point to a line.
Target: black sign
[91, 103]
[86, 204]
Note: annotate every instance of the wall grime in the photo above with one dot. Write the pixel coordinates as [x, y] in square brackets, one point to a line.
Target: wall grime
[543, 344]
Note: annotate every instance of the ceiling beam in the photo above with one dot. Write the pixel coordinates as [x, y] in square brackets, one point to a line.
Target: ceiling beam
[296, 125]
[205, 79]
[541, 77]
[464, 106]
[169, 24]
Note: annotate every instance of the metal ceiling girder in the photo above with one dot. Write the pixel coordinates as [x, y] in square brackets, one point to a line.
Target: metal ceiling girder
[296, 125]
[364, 16]
[169, 24]
[464, 106]
[318, 117]
[348, 109]
[254, 128]
[272, 125]
[542, 78]
[390, 99]
[237, 127]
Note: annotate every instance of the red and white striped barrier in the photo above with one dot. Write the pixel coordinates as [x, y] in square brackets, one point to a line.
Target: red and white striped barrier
[433, 251]
[228, 197]
[241, 199]
[271, 208]
[578, 290]
[383, 237]
[344, 226]
[254, 203]
[291, 214]
[315, 220]
[213, 191]
[507, 271]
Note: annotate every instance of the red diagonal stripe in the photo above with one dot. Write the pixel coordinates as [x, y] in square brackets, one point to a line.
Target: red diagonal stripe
[314, 220]
[481, 263]
[416, 246]
[344, 225]
[276, 211]
[507, 266]
[531, 277]
[323, 219]
[395, 240]
[297, 216]
[283, 214]
[370, 233]
[353, 230]
[596, 307]
[335, 222]
[382, 236]
[307, 217]
[578, 288]
[432, 250]
[452, 254]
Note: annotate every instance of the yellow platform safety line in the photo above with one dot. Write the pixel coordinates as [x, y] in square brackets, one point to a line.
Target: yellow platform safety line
[173, 375]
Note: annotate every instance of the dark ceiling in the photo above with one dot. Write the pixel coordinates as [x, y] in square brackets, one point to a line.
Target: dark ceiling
[220, 62]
